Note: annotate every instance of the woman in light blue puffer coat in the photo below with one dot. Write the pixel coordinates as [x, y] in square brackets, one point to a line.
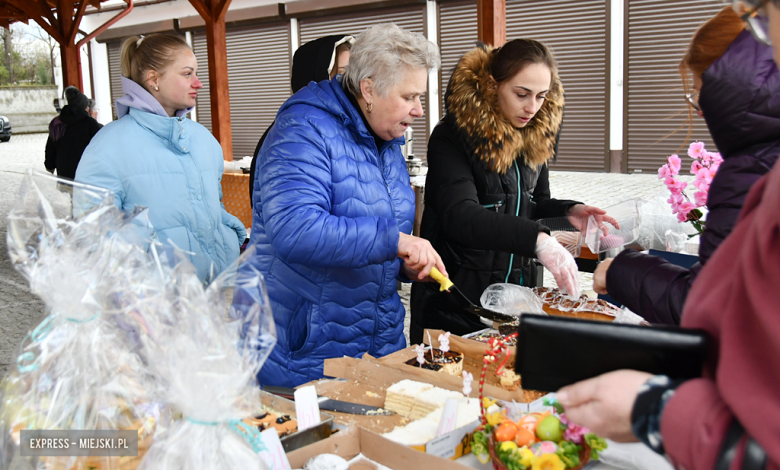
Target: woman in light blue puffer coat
[333, 209]
[153, 156]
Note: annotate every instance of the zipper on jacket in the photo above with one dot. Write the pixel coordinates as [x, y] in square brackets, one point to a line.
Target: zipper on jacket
[517, 213]
[376, 306]
[495, 206]
[289, 362]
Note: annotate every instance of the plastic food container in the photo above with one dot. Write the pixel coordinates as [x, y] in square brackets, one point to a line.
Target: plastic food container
[567, 230]
[605, 237]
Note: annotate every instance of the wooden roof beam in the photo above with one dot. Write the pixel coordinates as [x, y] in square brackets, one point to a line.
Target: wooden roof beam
[203, 9]
[77, 21]
[34, 11]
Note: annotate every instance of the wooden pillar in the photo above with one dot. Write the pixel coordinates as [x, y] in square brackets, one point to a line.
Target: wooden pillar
[69, 53]
[216, 41]
[491, 22]
[71, 68]
[213, 13]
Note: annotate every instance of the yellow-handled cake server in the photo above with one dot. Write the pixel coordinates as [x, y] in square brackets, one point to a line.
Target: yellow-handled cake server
[460, 297]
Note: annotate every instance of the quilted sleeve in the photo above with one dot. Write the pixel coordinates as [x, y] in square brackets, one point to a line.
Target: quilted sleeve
[295, 192]
[94, 170]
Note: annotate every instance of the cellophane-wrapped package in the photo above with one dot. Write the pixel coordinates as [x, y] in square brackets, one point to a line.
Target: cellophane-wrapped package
[78, 369]
[206, 358]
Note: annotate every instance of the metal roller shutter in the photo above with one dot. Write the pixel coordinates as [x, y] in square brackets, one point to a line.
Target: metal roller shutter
[578, 33]
[115, 73]
[659, 32]
[411, 19]
[259, 80]
[457, 35]
[203, 102]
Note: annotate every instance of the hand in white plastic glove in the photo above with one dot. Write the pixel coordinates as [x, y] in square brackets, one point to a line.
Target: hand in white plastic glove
[560, 263]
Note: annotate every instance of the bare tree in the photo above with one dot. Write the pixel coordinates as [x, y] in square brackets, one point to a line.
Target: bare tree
[39, 33]
[8, 44]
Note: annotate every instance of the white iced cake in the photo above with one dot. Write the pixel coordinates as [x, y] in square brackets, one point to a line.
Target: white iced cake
[422, 431]
[400, 396]
[429, 400]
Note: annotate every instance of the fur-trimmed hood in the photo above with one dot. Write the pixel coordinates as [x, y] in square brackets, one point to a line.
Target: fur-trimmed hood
[474, 105]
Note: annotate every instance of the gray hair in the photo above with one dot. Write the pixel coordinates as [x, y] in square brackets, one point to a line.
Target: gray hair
[383, 52]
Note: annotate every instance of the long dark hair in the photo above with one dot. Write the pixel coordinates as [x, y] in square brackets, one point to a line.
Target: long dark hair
[517, 54]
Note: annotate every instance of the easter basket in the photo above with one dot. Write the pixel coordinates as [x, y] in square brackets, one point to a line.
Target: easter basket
[498, 464]
[537, 440]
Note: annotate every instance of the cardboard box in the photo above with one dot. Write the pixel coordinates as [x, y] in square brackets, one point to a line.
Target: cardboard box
[354, 441]
[474, 352]
[366, 383]
[361, 392]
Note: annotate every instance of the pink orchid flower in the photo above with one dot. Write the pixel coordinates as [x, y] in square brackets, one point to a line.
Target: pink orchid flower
[674, 185]
[686, 207]
[704, 174]
[674, 163]
[700, 198]
[695, 149]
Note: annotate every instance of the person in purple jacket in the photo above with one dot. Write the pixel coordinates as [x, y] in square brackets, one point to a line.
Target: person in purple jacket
[737, 91]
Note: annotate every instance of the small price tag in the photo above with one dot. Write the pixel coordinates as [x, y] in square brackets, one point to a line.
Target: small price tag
[442, 446]
[307, 409]
[449, 417]
[449, 445]
[538, 406]
[273, 455]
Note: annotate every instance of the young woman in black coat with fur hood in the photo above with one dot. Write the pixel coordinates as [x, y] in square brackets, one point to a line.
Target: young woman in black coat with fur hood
[488, 182]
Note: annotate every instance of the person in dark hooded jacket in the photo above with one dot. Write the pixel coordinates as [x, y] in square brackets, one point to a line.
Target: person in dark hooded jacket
[739, 96]
[488, 182]
[69, 135]
[315, 61]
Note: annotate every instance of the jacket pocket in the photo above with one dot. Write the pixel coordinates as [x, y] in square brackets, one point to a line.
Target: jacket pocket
[494, 205]
[296, 281]
[230, 244]
[300, 327]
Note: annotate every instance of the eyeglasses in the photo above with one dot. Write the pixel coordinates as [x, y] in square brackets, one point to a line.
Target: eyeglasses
[693, 100]
[753, 15]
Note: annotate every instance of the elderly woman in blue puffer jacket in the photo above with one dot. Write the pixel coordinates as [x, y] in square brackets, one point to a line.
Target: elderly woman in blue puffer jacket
[153, 156]
[333, 209]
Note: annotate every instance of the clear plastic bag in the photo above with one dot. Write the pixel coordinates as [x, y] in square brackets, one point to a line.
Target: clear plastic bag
[78, 369]
[626, 316]
[206, 362]
[675, 241]
[656, 219]
[132, 334]
[511, 299]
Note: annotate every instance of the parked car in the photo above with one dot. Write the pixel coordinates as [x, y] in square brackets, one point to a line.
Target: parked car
[5, 129]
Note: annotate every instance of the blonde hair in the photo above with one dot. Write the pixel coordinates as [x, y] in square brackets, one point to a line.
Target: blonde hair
[153, 52]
